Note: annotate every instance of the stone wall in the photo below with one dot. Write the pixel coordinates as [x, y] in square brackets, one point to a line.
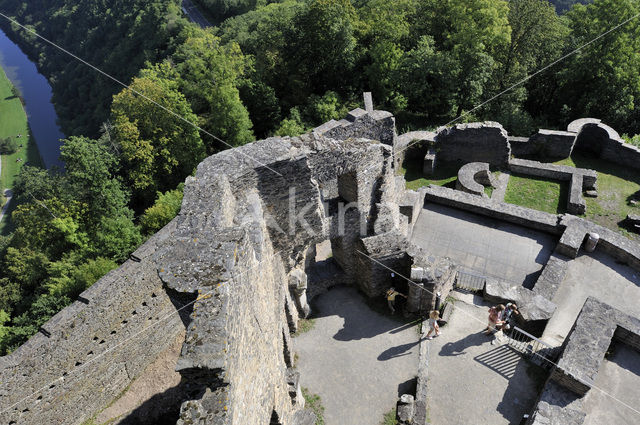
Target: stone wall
[375, 125]
[82, 359]
[472, 177]
[585, 346]
[597, 138]
[526, 217]
[579, 179]
[610, 242]
[545, 145]
[248, 219]
[475, 142]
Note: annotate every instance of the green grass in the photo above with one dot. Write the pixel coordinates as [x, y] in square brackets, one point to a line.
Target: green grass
[13, 121]
[538, 194]
[389, 418]
[313, 402]
[445, 174]
[617, 187]
[488, 190]
[305, 325]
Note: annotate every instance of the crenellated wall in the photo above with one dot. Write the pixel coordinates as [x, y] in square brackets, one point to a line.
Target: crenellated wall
[248, 219]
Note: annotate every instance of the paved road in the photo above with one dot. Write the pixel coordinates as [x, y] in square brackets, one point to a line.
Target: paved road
[194, 14]
[8, 194]
[356, 359]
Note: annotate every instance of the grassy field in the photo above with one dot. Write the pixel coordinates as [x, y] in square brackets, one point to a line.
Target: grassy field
[445, 174]
[617, 187]
[538, 194]
[13, 121]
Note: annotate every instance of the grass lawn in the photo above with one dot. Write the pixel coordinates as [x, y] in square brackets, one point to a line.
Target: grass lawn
[445, 174]
[538, 194]
[617, 186]
[13, 121]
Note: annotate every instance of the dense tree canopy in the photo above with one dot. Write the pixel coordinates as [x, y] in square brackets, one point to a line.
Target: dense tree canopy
[272, 67]
[158, 147]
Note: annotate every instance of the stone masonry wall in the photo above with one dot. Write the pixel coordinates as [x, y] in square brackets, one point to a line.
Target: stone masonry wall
[229, 252]
[475, 142]
[79, 362]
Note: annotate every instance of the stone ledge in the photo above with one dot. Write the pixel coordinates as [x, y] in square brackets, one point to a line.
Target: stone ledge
[533, 307]
[552, 276]
[533, 219]
[611, 242]
[470, 175]
[585, 346]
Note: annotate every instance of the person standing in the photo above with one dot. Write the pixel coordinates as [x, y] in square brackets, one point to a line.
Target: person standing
[509, 315]
[433, 324]
[391, 298]
[495, 319]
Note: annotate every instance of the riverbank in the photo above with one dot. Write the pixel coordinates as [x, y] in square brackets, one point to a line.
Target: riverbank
[13, 122]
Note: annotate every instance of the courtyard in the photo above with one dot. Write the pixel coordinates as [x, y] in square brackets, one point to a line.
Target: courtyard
[356, 359]
[483, 245]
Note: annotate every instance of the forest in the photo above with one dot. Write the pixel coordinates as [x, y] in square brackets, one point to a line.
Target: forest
[270, 68]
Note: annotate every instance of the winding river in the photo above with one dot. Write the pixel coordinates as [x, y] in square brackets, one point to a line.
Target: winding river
[36, 91]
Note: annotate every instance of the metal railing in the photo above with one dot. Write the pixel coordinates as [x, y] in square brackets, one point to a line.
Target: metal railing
[532, 348]
[469, 281]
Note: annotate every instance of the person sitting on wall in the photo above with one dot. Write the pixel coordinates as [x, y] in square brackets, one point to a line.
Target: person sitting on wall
[391, 298]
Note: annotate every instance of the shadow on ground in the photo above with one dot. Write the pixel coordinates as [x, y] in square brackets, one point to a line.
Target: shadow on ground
[348, 303]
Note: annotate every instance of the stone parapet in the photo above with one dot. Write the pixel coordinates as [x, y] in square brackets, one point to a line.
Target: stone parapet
[585, 346]
[526, 217]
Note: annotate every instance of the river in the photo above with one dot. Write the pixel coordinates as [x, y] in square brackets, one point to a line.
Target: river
[36, 91]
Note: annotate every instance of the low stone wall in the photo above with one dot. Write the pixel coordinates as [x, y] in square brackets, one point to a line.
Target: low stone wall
[474, 142]
[579, 179]
[611, 242]
[552, 144]
[526, 217]
[470, 177]
[521, 147]
[595, 137]
[552, 171]
[552, 275]
[597, 323]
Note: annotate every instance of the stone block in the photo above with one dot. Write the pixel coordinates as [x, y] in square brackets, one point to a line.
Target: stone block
[429, 163]
[472, 176]
[510, 213]
[535, 309]
[405, 409]
[474, 142]
[576, 203]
